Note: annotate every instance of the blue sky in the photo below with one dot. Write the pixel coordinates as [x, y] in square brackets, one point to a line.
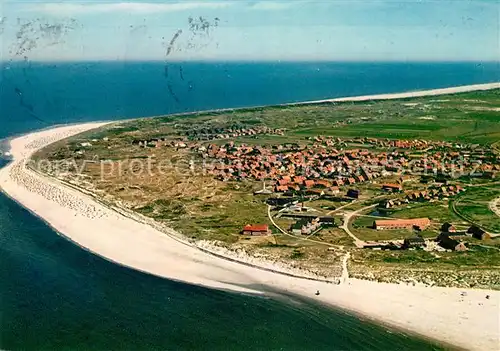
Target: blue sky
[360, 30]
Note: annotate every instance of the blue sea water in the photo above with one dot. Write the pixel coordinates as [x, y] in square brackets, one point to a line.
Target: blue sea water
[56, 296]
[34, 95]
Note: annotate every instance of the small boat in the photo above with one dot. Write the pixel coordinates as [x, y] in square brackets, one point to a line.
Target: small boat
[317, 293]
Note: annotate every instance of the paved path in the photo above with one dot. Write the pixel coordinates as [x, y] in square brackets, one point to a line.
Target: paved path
[352, 203]
[486, 185]
[493, 205]
[341, 207]
[345, 271]
[345, 226]
[291, 235]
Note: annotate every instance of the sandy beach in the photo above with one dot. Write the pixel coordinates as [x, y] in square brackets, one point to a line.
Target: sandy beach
[461, 317]
[411, 94]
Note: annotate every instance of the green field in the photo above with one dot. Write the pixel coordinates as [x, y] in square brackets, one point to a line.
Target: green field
[438, 212]
[473, 205]
[476, 256]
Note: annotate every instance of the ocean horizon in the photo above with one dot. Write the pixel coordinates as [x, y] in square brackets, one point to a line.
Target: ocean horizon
[56, 295]
[35, 95]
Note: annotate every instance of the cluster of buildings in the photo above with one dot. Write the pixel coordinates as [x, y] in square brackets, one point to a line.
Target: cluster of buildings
[448, 239]
[318, 187]
[288, 167]
[327, 162]
[292, 166]
[428, 156]
[308, 225]
[205, 133]
[304, 225]
[433, 193]
[474, 231]
[376, 143]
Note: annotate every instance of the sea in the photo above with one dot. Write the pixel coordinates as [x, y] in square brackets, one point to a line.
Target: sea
[57, 296]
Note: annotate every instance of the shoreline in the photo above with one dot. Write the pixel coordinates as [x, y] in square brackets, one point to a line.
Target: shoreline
[414, 93]
[360, 98]
[436, 313]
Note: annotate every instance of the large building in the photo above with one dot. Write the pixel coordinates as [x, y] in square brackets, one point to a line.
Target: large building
[419, 223]
[305, 226]
[414, 242]
[478, 233]
[451, 244]
[256, 229]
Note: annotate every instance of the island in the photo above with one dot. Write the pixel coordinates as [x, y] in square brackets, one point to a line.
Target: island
[408, 189]
[383, 206]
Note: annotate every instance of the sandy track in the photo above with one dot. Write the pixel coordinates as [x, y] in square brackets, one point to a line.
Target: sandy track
[495, 206]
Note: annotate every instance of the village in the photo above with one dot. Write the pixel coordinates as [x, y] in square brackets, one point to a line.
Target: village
[295, 176]
[389, 185]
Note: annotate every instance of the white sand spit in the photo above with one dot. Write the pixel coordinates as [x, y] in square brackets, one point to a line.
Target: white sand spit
[433, 92]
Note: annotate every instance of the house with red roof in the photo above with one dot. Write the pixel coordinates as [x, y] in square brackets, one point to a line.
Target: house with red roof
[323, 183]
[256, 229]
[420, 223]
[281, 188]
[309, 183]
[299, 179]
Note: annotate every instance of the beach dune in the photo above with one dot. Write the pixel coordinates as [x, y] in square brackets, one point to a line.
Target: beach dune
[446, 314]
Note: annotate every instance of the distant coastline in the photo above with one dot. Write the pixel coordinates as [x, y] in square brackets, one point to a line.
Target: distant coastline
[416, 93]
[208, 86]
[374, 97]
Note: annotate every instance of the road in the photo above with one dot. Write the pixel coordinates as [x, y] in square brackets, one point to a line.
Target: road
[376, 217]
[494, 205]
[486, 185]
[341, 207]
[291, 235]
[345, 226]
[347, 219]
[345, 273]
